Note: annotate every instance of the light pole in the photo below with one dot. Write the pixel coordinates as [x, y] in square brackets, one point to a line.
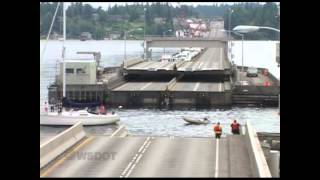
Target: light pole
[144, 34]
[125, 46]
[164, 33]
[230, 12]
[63, 51]
[242, 39]
[247, 29]
[125, 42]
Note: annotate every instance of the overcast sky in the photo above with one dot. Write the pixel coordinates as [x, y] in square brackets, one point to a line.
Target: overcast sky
[105, 5]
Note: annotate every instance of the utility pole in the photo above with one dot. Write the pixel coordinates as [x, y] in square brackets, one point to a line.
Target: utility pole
[63, 52]
[144, 35]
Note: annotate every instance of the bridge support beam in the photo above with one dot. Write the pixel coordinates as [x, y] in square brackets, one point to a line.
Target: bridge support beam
[274, 163]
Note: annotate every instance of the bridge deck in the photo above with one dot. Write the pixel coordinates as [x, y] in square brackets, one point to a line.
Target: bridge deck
[201, 86]
[142, 86]
[211, 59]
[179, 86]
[155, 157]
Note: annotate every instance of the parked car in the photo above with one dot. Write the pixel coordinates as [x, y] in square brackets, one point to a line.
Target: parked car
[252, 72]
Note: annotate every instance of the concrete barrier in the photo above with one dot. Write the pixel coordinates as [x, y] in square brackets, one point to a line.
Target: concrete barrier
[258, 161]
[60, 143]
[274, 162]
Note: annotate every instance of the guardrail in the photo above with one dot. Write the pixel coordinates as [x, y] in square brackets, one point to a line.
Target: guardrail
[60, 143]
[258, 161]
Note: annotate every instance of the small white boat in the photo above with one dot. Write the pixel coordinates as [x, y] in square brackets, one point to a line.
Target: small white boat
[195, 121]
[72, 117]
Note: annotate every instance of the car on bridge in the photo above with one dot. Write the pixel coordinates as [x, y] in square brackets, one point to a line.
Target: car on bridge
[252, 72]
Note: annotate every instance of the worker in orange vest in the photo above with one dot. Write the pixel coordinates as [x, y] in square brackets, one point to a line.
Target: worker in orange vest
[102, 109]
[235, 127]
[217, 130]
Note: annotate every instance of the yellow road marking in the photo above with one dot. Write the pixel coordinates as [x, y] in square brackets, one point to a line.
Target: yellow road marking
[65, 157]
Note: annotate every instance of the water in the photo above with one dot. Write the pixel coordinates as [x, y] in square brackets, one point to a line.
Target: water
[170, 123]
[159, 122]
[156, 122]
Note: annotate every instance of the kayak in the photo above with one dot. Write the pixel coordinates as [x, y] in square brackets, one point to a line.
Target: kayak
[195, 121]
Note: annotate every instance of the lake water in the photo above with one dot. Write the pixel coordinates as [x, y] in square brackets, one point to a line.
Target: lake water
[163, 122]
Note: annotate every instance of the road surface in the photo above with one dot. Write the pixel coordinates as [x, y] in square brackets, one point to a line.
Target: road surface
[154, 157]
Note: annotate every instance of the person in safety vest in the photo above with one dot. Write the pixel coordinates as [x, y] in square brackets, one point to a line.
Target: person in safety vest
[217, 130]
[235, 127]
[102, 109]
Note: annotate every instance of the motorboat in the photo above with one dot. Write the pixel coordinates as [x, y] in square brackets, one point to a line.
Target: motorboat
[72, 117]
[196, 121]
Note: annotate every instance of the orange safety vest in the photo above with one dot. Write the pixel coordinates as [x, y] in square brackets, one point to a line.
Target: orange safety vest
[217, 129]
[235, 126]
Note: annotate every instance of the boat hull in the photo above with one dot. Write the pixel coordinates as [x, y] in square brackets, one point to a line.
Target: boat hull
[195, 121]
[63, 120]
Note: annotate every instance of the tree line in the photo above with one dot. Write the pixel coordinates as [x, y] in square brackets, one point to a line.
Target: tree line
[254, 14]
[118, 19]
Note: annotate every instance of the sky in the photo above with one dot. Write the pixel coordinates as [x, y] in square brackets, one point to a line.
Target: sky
[105, 5]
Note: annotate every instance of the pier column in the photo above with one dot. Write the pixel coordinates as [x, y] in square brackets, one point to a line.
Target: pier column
[274, 162]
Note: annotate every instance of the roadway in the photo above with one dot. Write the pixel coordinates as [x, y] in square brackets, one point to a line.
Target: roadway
[211, 59]
[154, 157]
[255, 81]
[202, 86]
[178, 86]
[142, 86]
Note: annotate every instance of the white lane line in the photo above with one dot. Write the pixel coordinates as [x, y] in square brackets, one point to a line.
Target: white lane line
[149, 65]
[220, 87]
[118, 88]
[145, 65]
[129, 172]
[145, 142]
[117, 131]
[196, 86]
[201, 64]
[139, 65]
[128, 166]
[145, 86]
[146, 147]
[162, 66]
[136, 158]
[216, 173]
[133, 159]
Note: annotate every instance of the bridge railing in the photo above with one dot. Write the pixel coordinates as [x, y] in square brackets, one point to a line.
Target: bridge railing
[259, 165]
[51, 149]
